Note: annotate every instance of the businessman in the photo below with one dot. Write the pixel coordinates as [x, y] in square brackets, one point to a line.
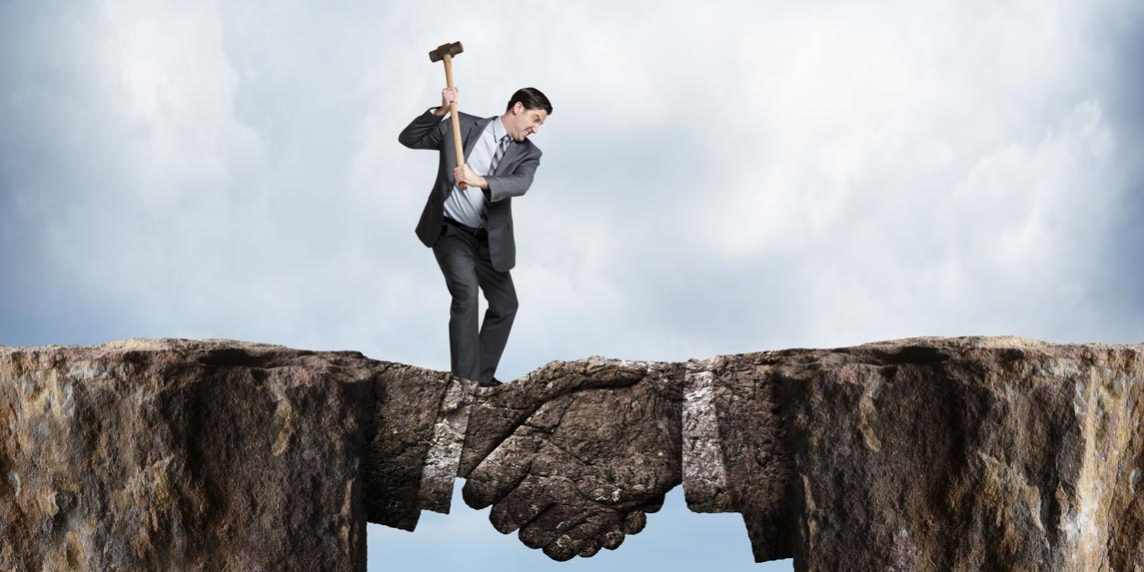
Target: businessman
[470, 229]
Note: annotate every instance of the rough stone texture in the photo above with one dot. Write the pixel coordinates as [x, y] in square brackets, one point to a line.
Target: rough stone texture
[576, 454]
[416, 444]
[925, 454]
[967, 454]
[216, 455]
[734, 459]
[921, 454]
[181, 456]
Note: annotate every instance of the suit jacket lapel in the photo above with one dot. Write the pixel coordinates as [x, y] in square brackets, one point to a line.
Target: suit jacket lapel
[474, 134]
[511, 155]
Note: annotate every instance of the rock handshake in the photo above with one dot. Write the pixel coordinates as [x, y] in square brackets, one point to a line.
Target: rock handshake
[919, 454]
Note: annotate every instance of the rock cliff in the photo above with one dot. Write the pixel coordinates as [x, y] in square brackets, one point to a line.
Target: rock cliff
[919, 454]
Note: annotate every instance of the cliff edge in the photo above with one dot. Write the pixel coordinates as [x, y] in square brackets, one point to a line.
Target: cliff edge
[918, 454]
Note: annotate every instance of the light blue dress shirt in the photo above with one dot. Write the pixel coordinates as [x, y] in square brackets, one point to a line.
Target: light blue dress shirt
[468, 206]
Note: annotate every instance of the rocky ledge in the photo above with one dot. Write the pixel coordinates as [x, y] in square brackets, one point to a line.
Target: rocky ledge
[918, 454]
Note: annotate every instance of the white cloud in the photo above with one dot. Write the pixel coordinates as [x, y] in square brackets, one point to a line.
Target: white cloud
[717, 178]
[176, 94]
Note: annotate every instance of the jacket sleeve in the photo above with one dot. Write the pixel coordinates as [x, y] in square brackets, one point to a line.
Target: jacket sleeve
[426, 131]
[516, 184]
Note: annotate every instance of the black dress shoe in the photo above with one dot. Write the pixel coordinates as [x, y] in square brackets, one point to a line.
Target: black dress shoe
[491, 383]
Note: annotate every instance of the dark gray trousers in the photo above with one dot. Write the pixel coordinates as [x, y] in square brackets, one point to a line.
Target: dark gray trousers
[464, 260]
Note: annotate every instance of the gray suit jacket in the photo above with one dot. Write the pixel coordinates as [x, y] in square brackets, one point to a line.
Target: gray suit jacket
[512, 178]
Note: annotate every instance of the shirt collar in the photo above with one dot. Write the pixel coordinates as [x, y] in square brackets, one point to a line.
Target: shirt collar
[498, 129]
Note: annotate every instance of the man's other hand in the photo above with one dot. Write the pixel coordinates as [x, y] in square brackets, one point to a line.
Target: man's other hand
[464, 174]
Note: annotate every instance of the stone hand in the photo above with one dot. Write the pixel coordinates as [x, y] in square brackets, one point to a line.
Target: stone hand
[580, 467]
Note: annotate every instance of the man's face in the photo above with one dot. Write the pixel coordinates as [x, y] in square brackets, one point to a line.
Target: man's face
[524, 122]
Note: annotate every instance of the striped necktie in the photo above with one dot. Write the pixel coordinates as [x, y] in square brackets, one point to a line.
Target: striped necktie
[504, 143]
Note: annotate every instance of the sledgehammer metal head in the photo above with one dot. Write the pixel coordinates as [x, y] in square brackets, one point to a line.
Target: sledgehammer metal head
[445, 50]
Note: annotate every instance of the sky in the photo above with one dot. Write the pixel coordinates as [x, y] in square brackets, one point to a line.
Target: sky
[717, 178]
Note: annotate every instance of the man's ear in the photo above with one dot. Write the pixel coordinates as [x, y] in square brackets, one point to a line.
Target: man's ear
[517, 108]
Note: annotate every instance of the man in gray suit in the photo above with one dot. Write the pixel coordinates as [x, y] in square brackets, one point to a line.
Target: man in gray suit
[470, 230]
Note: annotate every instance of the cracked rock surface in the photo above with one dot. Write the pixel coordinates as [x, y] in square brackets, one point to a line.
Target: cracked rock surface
[575, 455]
[182, 455]
[918, 454]
[966, 454]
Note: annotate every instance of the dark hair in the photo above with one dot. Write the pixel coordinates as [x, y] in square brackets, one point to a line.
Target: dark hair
[531, 98]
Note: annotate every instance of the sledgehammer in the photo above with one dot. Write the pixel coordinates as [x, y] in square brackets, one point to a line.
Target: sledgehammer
[445, 52]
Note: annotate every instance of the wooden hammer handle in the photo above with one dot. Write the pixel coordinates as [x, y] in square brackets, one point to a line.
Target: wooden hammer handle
[453, 113]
